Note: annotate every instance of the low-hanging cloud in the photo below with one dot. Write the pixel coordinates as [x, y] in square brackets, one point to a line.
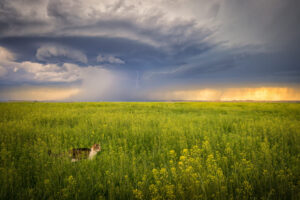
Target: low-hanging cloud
[13, 72]
[109, 59]
[91, 83]
[48, 52]
[6, 55]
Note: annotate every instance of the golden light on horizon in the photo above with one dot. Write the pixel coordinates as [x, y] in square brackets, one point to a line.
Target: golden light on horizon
[261, 94]
[204, 94]
[52, 93]
[237, 94]
[39, 93]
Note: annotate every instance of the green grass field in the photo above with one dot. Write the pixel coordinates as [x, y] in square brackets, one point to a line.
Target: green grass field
[151, 150]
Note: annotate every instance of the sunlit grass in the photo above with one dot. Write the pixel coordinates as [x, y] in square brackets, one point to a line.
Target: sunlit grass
[151, 150]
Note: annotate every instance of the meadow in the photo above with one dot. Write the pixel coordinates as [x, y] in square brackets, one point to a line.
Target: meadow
[151, 150]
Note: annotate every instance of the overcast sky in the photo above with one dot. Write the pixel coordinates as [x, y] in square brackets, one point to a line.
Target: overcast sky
[91, 50]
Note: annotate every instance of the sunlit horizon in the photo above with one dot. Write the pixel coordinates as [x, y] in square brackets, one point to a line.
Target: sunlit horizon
[206, 94]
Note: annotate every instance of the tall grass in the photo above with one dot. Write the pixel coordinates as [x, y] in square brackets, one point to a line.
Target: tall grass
[151, 150]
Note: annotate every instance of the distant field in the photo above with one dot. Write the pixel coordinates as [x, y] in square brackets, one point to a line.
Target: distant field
[151, 150]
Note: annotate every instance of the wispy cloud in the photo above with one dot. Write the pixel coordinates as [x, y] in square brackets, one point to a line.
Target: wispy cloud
[49, 52]
[109, 59]
[6, 55]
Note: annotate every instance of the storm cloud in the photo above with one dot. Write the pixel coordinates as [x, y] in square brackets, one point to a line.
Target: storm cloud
[127, 50]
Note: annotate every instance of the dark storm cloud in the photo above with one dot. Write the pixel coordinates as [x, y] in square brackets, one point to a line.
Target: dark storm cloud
[138, 56]
[155, 43]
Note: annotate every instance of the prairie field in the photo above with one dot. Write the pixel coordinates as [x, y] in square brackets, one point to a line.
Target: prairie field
[151, 150]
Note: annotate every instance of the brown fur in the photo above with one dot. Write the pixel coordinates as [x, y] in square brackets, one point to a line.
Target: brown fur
[80, 153]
